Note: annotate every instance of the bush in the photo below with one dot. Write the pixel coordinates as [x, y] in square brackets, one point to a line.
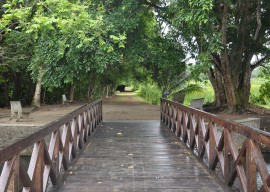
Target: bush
[259, 93]
[257, 99]
[264, 90]
[207, 93]
[150, 93]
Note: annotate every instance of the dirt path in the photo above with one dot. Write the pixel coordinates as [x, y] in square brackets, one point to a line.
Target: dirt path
[128, 106]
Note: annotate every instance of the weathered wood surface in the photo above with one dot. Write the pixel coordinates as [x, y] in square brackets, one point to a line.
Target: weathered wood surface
[55, 148]
[138, 156]
[202, 133]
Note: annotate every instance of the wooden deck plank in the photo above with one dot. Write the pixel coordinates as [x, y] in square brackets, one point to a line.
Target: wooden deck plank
[138, 156]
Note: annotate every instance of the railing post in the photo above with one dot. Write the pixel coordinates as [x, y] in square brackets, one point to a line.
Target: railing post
[14, 180]
[178, 123]
[161, 110]
[101, 111]
[212, 145]
[251, 168]
[227, 157]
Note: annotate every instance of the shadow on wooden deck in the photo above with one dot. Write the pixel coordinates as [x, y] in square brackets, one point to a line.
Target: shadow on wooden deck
[138, 156]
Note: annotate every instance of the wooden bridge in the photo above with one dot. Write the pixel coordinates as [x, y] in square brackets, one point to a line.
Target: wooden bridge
[187, 150]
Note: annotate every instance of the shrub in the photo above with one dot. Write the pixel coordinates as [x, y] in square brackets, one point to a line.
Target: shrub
[150, 93]
[264, 90]
[257, 99]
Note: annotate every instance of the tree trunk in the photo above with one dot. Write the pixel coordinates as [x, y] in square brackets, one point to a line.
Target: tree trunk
[103, 91]
[37, 98]
[5, 94]
[237, 89]
[17, 86]
[71, 92]
[234, 63]
[90, 91]
[107, 91]
[218, 86]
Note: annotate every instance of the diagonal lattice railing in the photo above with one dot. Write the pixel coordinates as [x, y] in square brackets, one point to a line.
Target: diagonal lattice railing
[54, 148]
[218, 143]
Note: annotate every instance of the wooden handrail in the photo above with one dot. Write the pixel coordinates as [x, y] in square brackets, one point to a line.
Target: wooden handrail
[49, 158]
[213, 139]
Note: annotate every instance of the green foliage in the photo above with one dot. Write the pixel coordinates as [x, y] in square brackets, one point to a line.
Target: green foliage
[261, 86]
[70, 40]
[205, 90]
[208, 93]
[188, 88]
[93, 44]
[264, 96]
[256, 98]
[259, 94]
[166, 66]
[194, 22]
[224, 35]
[15, 81]
[151, 93]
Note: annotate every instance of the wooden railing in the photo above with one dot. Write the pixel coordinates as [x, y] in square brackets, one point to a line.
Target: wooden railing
[54, 148]
[213, 140]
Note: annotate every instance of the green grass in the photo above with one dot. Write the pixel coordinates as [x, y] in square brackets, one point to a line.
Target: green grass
[255, 85]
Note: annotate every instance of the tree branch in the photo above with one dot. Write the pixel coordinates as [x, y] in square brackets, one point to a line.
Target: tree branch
[260, 62]
[224, 25]
[153, 5]
[216, 61]
[259, 22]
[266, 68]
[223, 30]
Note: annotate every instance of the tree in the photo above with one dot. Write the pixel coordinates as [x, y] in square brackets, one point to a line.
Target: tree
[68, 39]
[15, 53]
[167, 68]
[264, 94]
[226, 36]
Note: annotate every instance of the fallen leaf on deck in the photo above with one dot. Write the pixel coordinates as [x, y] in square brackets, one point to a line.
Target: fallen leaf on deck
[71, 173]
[187, 152]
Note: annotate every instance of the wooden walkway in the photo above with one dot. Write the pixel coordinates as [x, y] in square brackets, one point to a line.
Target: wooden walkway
[138, 156]
[125, 153]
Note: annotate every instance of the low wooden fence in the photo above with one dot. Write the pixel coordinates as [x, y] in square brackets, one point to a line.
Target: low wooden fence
[214, 140]
[54, 148]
